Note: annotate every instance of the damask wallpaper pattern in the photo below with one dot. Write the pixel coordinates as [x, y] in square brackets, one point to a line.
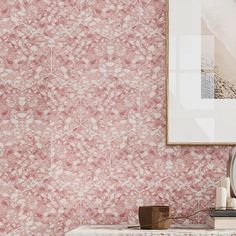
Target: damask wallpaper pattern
[82, 118]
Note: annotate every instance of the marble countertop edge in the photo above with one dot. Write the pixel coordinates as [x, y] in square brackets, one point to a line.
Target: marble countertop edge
[187, 229]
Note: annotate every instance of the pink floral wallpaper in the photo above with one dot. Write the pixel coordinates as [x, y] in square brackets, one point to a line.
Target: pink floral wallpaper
[82, 118]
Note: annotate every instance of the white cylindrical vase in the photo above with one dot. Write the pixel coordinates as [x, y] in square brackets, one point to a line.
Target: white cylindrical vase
[221, 198]
[225, 183]
[231, 203]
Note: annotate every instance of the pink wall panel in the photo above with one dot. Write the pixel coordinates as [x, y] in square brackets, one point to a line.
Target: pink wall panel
[82, 118]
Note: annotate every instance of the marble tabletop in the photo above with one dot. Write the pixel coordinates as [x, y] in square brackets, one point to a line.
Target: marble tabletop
[123, 230]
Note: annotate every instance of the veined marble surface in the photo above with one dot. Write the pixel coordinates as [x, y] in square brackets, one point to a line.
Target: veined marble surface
[123, 230]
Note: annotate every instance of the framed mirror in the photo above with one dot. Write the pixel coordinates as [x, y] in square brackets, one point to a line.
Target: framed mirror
[232, 171]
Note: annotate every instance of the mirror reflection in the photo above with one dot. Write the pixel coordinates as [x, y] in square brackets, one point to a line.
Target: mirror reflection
[233, 171]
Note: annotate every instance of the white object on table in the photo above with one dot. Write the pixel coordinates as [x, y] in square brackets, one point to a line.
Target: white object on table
[231, 203]
[122, 230]
[221, 198]
[225, 183]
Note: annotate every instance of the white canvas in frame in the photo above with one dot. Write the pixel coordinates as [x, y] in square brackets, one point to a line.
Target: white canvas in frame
[201, 88]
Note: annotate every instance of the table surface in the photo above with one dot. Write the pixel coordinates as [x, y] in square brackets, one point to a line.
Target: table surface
[122, 230]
